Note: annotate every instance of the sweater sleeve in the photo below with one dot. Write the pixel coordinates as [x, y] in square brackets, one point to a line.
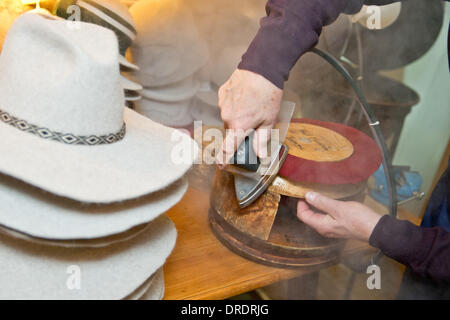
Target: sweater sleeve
[425, 250]
[291, 28]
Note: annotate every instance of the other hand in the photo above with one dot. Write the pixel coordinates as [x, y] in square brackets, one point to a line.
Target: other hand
[349, 220]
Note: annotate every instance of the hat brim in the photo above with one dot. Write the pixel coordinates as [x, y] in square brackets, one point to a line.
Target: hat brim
[157, 288]
[127, 65]
[31, 271]
[141, 163]
[132, 95]
[31, 212]
[128, 84]
[84, 243]
[143, 288]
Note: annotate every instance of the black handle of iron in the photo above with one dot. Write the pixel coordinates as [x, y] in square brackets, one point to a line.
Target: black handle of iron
[245, 157]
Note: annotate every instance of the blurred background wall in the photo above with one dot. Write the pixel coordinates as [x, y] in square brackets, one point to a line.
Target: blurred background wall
[426, 131]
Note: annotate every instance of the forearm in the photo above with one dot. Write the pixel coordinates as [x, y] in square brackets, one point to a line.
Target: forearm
[425, 250]
[291, 28]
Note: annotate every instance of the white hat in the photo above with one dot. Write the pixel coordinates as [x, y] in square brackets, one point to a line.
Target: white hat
[110, 14]
[168, 46]
[31, 271]
[45, 216]
[66, 130]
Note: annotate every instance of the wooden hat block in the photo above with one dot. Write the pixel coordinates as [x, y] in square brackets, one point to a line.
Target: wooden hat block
[267, 231]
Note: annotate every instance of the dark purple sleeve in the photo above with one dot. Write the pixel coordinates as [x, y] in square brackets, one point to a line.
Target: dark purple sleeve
[291, 28]
[425, 250]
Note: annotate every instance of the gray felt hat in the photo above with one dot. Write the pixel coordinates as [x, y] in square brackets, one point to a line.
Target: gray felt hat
[68, 131]
[32, 271]
[36, 215]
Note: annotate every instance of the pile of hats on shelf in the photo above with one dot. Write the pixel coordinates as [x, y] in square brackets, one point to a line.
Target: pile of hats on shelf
[111, 14]
[84, 181]
[171, 53]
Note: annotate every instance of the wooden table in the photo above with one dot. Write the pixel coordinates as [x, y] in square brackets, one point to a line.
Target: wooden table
[200, 267]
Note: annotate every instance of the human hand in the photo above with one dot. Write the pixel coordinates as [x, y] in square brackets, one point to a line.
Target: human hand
[349, 220]
[247, 101]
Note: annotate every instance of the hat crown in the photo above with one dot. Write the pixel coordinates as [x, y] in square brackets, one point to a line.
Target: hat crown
[62, 78]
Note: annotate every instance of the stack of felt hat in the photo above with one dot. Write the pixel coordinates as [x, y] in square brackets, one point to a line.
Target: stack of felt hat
[171, 52]
[111, 14]
[84, 181]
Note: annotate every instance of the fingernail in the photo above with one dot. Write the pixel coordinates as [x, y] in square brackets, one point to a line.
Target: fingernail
[311, 196]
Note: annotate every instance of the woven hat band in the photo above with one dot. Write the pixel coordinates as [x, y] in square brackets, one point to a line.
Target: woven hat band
[66, 138]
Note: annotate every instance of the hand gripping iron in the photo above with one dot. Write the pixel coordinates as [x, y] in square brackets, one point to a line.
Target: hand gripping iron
[252, 176]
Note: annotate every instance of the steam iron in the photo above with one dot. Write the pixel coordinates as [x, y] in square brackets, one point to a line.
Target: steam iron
[252, 176]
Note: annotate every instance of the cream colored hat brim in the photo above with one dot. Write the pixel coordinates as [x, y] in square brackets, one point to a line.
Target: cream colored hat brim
[157, 288]
[143, 288]
[139, 164]
[128, 84]
[128, 66]
[37, 214]
[31, 271]
[151, 289]
[132, 96]
[85, 243]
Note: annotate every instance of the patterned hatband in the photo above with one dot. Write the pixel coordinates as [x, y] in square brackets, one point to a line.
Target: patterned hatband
[66, 138]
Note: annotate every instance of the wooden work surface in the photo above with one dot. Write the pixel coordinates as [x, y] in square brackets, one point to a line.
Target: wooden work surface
[200, 267]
